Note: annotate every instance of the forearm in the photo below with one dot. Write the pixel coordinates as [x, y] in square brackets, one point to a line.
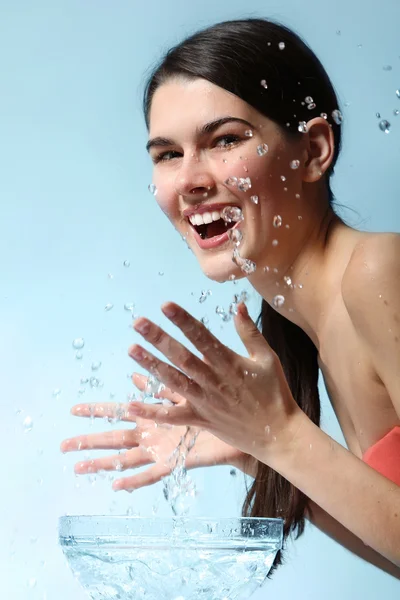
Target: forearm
[358, 497]
[335, 530]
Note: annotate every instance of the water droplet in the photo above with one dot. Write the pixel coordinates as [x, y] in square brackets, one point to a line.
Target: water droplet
[152, 189]
[395, 112]
[254, 199]
[281, 45]
[378, 115]
[56, 392]
[94, 382]
[311, 106]
[232, 214]
[127, 263]
[231, 181]
[283, 178]
[204, 320]
[96, 365]
[278, 301]
[324, 115]
[264, 83]
[337, 116]
[387, 68]
[302, 127]
[161, 273]
[108, 307]
[204, 295]
[287, 280]
[294, 164]
[246, 265]
[129, 306]
[244, 184]
[277, 221]
[78, 343]
[233, 472]
[236, 236]
[262, 149]
[384, 126]
[248, 133]
[27, 424]
[32, 582]
[275, 242]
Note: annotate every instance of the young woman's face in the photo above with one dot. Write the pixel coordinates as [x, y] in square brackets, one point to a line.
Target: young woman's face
[195, 159]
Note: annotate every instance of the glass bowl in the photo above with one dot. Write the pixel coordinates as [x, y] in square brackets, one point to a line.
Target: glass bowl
[176, 558]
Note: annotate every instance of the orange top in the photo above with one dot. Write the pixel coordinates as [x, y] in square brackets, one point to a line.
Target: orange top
[384, 456]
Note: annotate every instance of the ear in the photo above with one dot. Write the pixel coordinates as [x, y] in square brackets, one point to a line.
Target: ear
[320, 148]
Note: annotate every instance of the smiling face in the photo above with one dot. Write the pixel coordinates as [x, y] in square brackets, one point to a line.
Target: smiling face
[202, 136]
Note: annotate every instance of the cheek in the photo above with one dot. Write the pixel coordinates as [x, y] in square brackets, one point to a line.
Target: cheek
[166, 196]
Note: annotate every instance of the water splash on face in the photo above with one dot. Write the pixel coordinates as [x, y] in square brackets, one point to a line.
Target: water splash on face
[262, 149]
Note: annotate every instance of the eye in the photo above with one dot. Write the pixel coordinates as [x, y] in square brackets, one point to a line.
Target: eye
[230, 140]
[164, 156]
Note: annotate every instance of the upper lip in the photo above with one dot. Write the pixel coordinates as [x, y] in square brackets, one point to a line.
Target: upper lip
[205, 208]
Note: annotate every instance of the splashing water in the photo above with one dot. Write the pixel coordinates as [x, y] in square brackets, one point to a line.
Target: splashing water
[245, 264]
[236, 236]
[179, 488]
[262, 149]
[384, 126]
[337, 117]
[244, 184]
[152, 189]
[232, 214]
[78, 343]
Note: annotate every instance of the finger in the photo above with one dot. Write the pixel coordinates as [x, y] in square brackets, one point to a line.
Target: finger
[109, 410]
[176, 352]
[254, 341]
[101, 441]
[171, 415]
[167, 374]
[141, 381]
[197, 333]
[117, 462]
[148, 477]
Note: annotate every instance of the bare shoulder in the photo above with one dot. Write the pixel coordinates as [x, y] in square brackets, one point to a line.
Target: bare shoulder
[372, 253]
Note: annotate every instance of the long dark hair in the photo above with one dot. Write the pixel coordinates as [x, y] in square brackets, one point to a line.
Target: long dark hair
[237, 56]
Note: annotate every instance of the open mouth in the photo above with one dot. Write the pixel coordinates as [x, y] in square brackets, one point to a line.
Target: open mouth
[210, 230]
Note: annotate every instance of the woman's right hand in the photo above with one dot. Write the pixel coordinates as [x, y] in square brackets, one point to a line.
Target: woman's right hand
[146, 444]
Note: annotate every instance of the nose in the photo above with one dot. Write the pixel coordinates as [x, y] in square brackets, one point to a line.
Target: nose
[193, 180]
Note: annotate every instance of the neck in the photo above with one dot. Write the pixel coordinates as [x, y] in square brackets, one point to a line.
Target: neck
[315, 268]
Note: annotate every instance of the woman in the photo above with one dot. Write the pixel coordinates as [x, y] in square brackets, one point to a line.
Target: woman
[245, 131]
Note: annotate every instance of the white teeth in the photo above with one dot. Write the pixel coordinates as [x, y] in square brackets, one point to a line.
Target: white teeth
[205, 218]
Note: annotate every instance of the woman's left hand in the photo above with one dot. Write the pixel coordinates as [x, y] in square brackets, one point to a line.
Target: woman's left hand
[246, 402]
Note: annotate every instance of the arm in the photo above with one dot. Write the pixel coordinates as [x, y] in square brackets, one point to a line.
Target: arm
[362, 500]
[332, 528]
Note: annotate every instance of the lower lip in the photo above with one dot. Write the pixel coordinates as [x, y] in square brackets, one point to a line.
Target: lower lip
[217, 240]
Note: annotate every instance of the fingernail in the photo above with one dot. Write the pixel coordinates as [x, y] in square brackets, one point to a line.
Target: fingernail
[137, 354]
[242, 308]
[169, 311]
[143, 327]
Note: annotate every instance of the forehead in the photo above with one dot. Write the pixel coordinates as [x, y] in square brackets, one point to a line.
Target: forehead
[181, 104]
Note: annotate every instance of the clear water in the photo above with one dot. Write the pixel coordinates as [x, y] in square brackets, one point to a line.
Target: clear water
[170, 573]
[178, 558]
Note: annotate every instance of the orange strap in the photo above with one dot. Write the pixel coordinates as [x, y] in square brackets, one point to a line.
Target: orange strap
[384, 456]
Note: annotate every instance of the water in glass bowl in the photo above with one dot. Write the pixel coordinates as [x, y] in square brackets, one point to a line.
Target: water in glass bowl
[177, 558]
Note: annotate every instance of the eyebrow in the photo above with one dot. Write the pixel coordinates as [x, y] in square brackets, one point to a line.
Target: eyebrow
[203, 130]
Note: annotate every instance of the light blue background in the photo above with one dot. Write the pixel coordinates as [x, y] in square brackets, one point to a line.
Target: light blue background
[74, 205]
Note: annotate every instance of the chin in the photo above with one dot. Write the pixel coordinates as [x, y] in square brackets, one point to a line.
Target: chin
[220, 270]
